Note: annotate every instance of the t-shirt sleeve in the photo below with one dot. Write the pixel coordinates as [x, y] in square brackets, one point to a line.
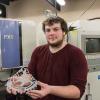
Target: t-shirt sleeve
[33, 62]
[78, 70]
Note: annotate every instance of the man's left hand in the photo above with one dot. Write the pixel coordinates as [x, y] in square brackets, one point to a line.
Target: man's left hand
[35, 94]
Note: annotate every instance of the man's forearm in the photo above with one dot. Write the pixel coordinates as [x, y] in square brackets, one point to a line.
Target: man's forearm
[70, 91]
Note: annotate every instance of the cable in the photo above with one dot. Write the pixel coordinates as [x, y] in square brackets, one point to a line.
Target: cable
[91, 5]
[84, 11]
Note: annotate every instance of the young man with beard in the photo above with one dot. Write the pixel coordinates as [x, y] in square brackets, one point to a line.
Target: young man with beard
[59, 67]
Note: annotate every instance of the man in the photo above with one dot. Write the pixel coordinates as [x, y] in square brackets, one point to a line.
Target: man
[59, 67]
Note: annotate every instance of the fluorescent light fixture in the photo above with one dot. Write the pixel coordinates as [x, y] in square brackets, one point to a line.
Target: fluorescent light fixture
[55, 4]
[61, 2]
[2, 10]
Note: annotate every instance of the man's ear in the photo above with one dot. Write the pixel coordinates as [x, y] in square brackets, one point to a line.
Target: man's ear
[64, 33]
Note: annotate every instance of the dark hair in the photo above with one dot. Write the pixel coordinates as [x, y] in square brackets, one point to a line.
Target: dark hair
[55, 19]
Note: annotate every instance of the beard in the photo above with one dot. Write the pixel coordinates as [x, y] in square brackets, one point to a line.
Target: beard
[56, 44]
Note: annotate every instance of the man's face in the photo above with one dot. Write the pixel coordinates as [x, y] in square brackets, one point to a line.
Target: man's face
[54, 34]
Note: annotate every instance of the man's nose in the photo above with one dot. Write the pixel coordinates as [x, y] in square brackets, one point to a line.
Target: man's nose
[51, 32]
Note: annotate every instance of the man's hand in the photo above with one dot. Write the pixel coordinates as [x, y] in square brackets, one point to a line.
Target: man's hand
[35, 94]
[11, 89]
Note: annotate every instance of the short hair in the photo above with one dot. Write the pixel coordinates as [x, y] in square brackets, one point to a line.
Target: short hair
[55, 19]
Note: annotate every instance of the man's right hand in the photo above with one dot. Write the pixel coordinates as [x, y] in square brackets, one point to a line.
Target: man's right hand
[11, 89]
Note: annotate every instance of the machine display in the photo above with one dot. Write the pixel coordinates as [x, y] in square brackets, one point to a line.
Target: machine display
[92, 45]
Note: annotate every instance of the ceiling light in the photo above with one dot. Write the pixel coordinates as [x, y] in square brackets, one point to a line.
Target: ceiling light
[61, 2]
[0, 11]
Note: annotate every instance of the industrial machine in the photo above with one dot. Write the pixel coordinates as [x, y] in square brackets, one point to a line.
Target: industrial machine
[17, 41]
[87, 38]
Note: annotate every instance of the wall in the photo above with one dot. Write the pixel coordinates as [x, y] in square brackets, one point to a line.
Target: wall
[34, 10]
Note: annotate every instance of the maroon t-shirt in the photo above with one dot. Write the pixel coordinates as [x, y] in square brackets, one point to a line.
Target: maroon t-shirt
[65, 67]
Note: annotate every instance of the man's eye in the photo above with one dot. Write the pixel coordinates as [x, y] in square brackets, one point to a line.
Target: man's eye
[56, 29]
[47, 30]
